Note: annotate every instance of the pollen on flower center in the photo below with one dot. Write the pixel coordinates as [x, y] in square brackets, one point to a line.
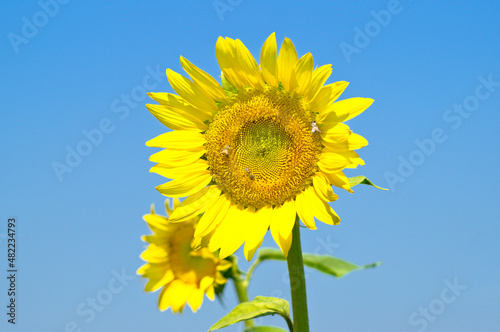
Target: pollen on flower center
[261, 149]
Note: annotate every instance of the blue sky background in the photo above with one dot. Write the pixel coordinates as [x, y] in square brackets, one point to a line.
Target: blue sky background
[437, 226]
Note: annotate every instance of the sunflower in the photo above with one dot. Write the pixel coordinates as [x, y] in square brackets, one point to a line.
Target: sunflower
[255, 152]
[186, 275]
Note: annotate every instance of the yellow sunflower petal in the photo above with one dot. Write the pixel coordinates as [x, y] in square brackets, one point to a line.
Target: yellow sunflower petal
[176, 119]
[255, 233]
[178, 140]
[232, 230]
[285, 218]
[319, 77]
[196, 299]
[339, 179]
[178, 104]
[268, 61]
[195, 204]
[176, 158]
[305, 209]
[190, 91]
[225, 50]
[212, 217]
[248, 65]
[333, 162]
[157, 221]
[170, 172]
[154, 254]
[210, 291]
[175, 296]
[321, 209]
[185, 186]
[286, 243]
[208, 84]
[158, 276]
[344, 110]
[336, 134]
[303, 74]
[326, 96]
[353, 142]
[323, 188]
[282, 223]
[287, 59]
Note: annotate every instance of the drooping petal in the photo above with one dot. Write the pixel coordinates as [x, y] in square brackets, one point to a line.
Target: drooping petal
[305, 209]
[268, 61]
[185, 186]
[283, 220]
[257, 230]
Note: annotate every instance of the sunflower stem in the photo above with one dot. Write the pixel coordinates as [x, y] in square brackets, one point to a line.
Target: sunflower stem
[297, 282]
[241, 287]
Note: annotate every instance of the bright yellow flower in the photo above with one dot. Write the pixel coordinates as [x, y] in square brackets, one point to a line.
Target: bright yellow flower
[265, 146]
[186, 275]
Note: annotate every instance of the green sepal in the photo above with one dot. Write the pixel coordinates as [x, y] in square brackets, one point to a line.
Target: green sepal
[227, 86]
[260, 306]
[363, 180]
[323, 263]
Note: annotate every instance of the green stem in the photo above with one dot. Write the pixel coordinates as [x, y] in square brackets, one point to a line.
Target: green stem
[298, 282]
[241, 287]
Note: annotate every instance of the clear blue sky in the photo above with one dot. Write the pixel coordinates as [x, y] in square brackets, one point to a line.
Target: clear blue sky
[433, 69]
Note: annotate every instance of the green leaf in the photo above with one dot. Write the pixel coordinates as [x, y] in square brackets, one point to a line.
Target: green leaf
[260, 306]
[227, 86]
[324, 263]
[363, 180]
[265, 329]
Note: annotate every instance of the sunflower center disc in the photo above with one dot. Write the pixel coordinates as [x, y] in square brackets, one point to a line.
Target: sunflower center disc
[261, 149]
